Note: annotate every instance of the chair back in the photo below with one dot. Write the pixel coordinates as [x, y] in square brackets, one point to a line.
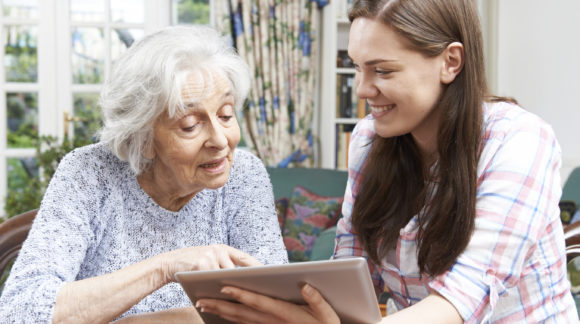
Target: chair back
[13, 232]
[572, 238]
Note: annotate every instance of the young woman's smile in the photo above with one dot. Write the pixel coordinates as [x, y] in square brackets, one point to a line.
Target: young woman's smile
[379, 111]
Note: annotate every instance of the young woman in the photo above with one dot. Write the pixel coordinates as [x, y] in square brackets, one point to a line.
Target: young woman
[452, 193]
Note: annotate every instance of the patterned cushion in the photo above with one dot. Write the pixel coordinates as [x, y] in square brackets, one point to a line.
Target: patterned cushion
[307, 216]
[281, 207]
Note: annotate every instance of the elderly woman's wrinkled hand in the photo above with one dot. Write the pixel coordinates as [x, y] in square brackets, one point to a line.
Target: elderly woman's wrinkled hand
[212, 257]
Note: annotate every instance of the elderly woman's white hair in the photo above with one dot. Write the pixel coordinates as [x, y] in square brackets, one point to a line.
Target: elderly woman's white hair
[149, 78]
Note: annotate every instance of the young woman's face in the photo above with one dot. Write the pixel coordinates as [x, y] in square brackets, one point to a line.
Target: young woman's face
[195, 150]
[401, 85]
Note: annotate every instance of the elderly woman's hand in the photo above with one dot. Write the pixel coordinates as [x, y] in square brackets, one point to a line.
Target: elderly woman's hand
[210, 257]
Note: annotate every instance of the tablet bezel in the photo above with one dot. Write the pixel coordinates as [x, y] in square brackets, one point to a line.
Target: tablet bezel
[345, 283]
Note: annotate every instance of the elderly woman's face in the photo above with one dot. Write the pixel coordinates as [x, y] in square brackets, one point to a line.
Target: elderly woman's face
[195, 150]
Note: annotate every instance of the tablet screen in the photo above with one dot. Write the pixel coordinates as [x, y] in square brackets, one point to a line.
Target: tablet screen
[345, 283]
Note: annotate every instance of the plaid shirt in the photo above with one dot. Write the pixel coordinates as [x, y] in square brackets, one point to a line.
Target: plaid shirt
[514, 267]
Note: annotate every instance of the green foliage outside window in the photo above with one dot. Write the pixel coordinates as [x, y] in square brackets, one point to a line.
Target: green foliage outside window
[22, 115]
[21, 57]
[87, 62]
[28, 187]
[22, 68]
[86, 110]
[193, 12]
[23, 137]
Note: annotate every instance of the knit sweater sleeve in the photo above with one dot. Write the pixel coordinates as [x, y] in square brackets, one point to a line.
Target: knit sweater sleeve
[252, 222]
[55, 247]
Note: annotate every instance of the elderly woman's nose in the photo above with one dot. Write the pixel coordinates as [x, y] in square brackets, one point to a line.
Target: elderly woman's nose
[217, 136]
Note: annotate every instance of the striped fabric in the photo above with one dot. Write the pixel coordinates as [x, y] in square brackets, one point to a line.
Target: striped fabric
[514, 268]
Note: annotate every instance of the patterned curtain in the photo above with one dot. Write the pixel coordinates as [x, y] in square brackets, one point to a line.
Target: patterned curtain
[277, 39]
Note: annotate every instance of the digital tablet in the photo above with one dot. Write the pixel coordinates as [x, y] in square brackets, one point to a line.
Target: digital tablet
[345, 283]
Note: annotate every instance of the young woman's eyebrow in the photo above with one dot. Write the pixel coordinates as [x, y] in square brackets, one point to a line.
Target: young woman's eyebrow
[377, 61]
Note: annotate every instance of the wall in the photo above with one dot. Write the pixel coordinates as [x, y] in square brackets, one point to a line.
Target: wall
[538, 63]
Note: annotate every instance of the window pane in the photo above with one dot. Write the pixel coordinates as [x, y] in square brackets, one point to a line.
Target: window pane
[20, 60]
[22, 119]
[88, 47]
[21, 8]
[128, 11]
[87, 111]
[191, 12]
[121, 39]
[87, 10]
[20, 171]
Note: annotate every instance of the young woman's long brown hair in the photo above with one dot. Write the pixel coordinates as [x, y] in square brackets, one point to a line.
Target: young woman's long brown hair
[396, 180]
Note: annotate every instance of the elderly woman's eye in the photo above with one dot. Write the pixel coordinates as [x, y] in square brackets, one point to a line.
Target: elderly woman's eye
[226, 113]
[189, 123]
[190, 128]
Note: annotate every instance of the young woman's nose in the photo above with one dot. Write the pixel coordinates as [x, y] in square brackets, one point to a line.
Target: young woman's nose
[365, 87]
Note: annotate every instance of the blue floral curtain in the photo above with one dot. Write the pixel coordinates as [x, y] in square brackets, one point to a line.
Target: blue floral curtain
[277, 39]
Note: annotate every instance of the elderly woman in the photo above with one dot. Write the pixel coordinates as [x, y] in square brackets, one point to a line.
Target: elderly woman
[164, 191]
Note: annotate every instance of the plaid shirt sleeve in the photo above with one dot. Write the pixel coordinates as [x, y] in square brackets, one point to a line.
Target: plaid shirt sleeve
[517, 249]
[346, 244]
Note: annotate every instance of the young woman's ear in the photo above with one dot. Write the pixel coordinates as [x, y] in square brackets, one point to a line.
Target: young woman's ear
[452, 62]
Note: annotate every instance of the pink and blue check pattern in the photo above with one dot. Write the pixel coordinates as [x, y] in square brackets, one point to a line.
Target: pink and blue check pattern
[514, 268]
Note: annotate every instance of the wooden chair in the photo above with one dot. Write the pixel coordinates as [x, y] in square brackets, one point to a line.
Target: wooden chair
[572, 237]
[13, 232]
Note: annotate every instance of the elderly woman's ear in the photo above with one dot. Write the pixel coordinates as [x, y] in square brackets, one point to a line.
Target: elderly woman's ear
[149, 152]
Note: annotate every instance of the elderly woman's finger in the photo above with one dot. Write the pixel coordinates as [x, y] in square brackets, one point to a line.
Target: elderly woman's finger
[320, 308]
[241, 258]
[208, 263]
[224, 259]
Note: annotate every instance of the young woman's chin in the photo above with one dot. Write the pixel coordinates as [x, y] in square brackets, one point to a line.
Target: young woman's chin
[385, 130]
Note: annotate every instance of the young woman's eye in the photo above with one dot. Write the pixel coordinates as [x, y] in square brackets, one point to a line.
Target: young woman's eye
[382, 72]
